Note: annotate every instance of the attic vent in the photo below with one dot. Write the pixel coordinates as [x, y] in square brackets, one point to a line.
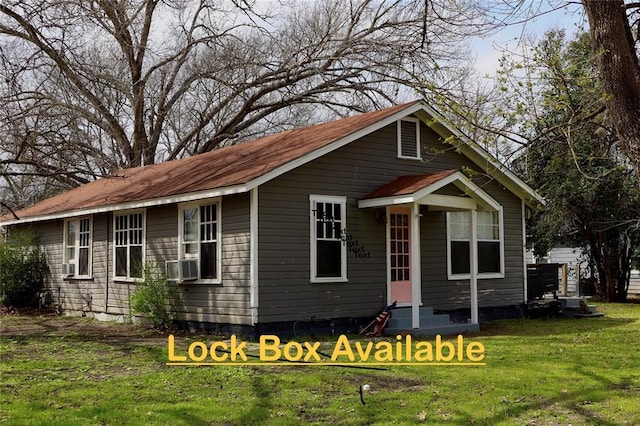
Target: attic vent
[409, 138]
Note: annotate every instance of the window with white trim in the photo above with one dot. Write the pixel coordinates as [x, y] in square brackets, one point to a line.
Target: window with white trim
[200, 233]
[489, 244]
[128, 240]
[328, 251]
[77, 243]
[409, 138]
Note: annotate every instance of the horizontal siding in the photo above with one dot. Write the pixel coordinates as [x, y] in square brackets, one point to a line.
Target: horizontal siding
[99, 264]
[73, 295]
[442, 293]
[353, 171]
[228, 302]
[119, 296]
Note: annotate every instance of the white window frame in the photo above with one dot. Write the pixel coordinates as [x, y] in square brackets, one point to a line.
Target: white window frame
[313, 199]
[483, 275]
[399, 137]
[77, 246]
[183, 256]
[128, 277]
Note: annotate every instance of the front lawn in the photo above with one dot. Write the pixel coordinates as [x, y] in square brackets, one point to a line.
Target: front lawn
[67, 371]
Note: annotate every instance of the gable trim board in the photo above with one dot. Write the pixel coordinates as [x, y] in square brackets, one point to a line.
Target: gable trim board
[265, 212]
[480, 156]
[420, 188]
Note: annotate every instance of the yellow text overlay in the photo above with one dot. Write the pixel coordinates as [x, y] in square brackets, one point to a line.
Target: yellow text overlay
[405, 350]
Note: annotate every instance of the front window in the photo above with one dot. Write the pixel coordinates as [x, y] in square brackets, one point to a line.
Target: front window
[489, 244]
[488, 224]
[200, 237]
[77, 243]
[328, 251]
[129, 245]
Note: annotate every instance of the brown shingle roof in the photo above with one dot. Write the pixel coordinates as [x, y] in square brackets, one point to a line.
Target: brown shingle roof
[222, 168]
[405, 185]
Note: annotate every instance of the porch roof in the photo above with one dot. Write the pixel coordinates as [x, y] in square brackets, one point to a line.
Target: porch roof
[421, 189]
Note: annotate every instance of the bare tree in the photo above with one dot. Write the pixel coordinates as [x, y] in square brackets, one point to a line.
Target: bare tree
[87, 87]
[615, 29]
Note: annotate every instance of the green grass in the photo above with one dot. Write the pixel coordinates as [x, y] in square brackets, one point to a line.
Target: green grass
[63, 371]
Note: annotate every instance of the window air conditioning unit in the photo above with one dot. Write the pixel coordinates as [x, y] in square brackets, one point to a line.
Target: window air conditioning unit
[182, 270]
[68, 269]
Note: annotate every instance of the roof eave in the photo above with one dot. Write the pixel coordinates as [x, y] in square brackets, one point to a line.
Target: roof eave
[458, 178]
[483, 159]
[193, 196]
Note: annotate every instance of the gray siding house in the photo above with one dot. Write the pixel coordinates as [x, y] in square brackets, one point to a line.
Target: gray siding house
[322, 225]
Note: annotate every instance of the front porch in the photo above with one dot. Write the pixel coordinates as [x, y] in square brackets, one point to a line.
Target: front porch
[464, 203]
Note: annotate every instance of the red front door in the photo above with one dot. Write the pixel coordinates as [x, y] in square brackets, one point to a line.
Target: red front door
[400, 254]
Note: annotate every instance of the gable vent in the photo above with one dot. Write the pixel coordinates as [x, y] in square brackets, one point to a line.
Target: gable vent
[408, 139]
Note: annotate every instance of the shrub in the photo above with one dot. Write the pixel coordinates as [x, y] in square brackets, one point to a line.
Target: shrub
[23, 271]
[151, 297]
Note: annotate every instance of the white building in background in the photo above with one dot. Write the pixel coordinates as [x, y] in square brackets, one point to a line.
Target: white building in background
[577, 266]
[634, 284]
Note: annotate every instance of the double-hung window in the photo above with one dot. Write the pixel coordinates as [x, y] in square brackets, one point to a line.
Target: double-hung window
[200, 238]
[489, 244]
[328, 250]
[128, 233]
[77, 242]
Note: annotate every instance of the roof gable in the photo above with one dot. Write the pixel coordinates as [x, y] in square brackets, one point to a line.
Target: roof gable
[234, 169]
[406, 185]
[416, 188]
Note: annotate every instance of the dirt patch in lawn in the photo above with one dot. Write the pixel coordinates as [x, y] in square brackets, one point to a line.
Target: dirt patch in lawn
[43, 323]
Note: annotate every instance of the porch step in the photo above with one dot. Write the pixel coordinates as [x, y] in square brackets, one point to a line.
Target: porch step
[567, 306]
[401, 317]
[570, 306]
[452, 328]
[430, 324]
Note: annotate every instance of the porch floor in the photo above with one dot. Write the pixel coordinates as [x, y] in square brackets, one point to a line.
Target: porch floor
[430, 324]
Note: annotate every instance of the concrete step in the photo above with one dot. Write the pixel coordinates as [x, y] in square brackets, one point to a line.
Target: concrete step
[452, 328]
[401, 318]
[430, 323]
[431, 320]
[405, 312]
[577, 313]
[574, 302]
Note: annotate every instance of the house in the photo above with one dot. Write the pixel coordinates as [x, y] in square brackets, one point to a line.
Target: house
[320, 226]
[634, 283]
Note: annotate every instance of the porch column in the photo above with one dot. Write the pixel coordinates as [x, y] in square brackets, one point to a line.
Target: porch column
[473, 267]
[416, 277]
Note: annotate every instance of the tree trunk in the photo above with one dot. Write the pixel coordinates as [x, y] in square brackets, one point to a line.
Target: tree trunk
[619, 69]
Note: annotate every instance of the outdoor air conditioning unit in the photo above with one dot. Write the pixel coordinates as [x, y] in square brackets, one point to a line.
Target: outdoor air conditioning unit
[68, 269]
[182, 270]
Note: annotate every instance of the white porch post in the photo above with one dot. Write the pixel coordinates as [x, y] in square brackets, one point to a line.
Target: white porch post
[416, 278]
[473, 267]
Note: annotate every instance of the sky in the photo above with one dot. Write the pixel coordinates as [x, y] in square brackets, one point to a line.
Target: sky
[489, 50]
